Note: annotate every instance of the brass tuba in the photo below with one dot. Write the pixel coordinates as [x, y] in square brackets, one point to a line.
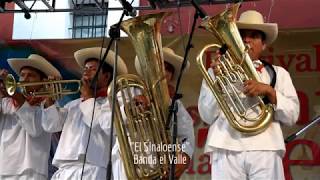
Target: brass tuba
[143, 128]
[235, 67]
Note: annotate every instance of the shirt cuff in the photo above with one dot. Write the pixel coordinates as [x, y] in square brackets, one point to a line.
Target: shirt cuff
[50, 108]
[187, 148]
[280, 102]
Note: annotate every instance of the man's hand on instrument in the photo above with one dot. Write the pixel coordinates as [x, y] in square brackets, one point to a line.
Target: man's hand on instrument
[215, 62]
[48, 101]
[141, 101]
[86, 91]
[19, 99]
[3, 75]
[254, 88]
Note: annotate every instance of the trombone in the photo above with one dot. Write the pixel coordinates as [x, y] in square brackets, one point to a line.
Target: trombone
[54, 88]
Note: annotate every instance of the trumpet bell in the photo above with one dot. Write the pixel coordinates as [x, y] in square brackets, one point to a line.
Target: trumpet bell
[10, 84]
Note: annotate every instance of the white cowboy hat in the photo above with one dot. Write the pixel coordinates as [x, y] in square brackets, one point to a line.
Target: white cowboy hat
[254, 20]
[170, 57]
[95, 52]
[35, 61]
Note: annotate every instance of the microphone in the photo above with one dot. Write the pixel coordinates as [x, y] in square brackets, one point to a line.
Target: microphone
[130, 11]
[294, 135]
[200, 11]
[290, 138]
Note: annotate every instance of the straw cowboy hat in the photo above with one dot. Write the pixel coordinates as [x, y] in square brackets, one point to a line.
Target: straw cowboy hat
[254, 20]
[95, 52]
[170, 57]
[35, 61]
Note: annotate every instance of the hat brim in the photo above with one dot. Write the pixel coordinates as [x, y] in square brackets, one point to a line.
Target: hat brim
[176, 61]
[173, 59]
[270, 29]
[84, 54]
[44, 66]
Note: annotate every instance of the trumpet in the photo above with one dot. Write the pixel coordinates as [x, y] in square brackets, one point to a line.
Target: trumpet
[52, 88]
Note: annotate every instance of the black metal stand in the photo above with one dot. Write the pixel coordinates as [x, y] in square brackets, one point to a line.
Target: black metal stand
[296, 134]
[173, 109]
[114, 33]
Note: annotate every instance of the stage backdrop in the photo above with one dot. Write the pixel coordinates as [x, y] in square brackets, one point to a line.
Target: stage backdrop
[296, 50]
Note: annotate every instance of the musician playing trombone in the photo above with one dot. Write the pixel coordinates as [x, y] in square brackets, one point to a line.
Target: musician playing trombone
[235, 155]
[82, 151]
[24, 145]
[186, 137]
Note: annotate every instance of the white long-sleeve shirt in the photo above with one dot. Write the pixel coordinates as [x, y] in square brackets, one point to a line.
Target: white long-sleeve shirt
[74, 121]
[221, 135]
[24, 145]
[185, 135]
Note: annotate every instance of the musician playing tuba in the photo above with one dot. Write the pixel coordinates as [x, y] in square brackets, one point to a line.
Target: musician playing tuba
[24, 145]
[172, 63]
[76, 149]
[236, 155]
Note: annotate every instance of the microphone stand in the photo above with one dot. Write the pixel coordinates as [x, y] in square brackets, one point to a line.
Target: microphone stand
[296, 134]
[173, 108]
[115, 70]
[114, 33]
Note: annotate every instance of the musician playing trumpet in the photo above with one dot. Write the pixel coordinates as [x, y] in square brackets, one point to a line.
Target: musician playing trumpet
[77, 155]
[24, 145]
[236, 155]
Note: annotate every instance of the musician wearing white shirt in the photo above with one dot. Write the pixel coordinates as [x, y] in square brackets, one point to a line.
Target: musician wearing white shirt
[24, 145]
[185, 134]
[235, 155]
[75, 121]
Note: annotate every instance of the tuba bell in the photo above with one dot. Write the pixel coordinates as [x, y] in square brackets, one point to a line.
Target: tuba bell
[235, 68]
[143, 127]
